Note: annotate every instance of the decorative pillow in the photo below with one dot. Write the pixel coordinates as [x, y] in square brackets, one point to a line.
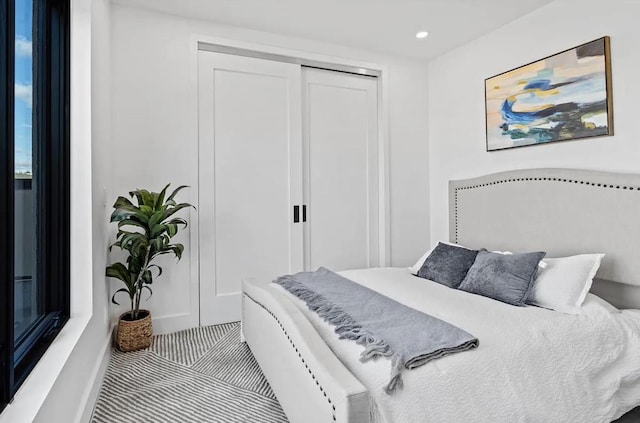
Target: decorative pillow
[416, 267]
[541, 265]
[563, 285]
[503, 277]
[447, 264]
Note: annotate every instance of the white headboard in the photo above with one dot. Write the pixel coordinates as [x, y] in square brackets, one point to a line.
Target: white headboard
[560, 211]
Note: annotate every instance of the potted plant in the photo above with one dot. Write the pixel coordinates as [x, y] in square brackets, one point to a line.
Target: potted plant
[145, 230]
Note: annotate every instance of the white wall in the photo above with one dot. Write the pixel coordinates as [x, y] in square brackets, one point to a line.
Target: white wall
[456, 96]
[409, 163]
[155, 133]
[73, 394]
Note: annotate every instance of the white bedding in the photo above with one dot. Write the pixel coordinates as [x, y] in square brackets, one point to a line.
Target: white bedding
[532, 364]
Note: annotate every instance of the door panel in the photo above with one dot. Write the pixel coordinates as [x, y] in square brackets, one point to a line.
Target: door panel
[249, 130]
[341, 170]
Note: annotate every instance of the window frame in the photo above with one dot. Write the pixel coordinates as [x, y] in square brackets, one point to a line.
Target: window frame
[51, 105]
[7, 64]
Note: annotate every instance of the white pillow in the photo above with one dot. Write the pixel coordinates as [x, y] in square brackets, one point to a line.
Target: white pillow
[416, 267]
[591, 298]
[563, 285]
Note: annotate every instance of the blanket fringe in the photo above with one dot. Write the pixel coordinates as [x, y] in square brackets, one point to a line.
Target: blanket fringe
[396, 378]
[347, 328]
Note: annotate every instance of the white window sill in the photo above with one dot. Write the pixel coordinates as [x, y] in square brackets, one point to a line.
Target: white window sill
[33, 392]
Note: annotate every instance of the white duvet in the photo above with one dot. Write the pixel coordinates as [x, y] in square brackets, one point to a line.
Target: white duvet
[532, 364]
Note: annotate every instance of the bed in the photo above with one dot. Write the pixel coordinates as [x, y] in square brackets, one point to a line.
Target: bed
[532, 364]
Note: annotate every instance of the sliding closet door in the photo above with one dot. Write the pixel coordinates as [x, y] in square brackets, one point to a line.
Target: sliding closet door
[341, 170]
[250, 145]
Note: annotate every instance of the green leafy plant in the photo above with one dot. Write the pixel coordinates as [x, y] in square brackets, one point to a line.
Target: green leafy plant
[145, 230]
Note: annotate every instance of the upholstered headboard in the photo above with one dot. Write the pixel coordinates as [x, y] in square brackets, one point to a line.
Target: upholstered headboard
[560, 211]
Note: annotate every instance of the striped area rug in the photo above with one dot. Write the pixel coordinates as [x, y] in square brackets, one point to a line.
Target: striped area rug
[194, 376]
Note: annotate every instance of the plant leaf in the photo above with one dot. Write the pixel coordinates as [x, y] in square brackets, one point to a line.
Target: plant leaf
[178, 221]
[118, 271]
[150, 292]
[147, 198]
[177, 208]
[160, 199]
[124, 209]
[131, 222]
[158, 230]
[147, 210]
[157, 267]
[138, 196]
[123, 203]
[147, 278]
[113, 297]
[155, 219]
[177, 250]
[175, 191]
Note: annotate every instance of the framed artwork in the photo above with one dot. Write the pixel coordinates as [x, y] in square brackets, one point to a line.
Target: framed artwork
[561, 97]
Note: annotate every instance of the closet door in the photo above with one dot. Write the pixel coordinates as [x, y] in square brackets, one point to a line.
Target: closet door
[340, 116]
[250, 151]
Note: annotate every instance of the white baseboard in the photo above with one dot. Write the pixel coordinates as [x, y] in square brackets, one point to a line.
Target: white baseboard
[173, 323]
[96, 378]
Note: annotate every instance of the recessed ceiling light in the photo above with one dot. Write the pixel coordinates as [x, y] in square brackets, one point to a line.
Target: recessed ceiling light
[422, 34]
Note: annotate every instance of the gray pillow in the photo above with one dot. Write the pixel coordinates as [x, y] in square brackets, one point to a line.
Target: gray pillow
[503, 277]
[447, 264]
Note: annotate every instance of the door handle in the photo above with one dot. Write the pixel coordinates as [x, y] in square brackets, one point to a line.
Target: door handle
[296, 214]
[304, 212]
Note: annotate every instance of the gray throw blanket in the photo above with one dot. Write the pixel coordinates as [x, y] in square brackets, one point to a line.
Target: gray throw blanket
[383, 326]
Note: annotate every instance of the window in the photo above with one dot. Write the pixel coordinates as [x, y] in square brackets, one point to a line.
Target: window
[34, 183]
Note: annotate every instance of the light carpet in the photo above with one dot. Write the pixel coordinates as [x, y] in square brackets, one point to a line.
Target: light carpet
[193, 376]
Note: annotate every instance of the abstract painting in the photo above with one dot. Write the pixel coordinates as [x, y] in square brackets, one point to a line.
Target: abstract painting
[561, 97]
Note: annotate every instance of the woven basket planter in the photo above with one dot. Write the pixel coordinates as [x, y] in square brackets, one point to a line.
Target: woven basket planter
[133, 335]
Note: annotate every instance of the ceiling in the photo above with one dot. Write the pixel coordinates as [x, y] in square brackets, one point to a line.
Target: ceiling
[384, 26]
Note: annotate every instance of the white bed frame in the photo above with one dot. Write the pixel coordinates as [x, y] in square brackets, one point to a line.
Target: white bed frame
[310, 382]
[560, 211]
